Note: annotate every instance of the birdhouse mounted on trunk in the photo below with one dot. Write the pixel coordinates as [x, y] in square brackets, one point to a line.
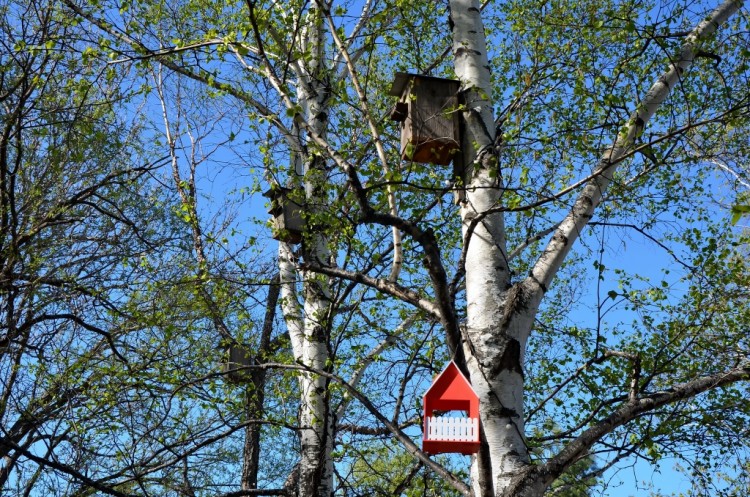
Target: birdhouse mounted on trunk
[288, 222]
[428, 112]
[237, 359]
[459, 431]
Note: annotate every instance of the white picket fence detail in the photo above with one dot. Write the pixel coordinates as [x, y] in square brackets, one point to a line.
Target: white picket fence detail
[453, 429]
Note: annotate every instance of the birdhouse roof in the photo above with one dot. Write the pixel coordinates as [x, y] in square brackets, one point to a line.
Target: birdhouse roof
[277, 191]
[451, 384]
[402, 79]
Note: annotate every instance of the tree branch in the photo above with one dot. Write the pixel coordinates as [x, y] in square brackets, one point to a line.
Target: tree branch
[402, 437]
[571, 227]
[382, 285]
[627, 412]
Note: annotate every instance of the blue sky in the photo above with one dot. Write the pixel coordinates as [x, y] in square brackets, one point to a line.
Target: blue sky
[634, 254]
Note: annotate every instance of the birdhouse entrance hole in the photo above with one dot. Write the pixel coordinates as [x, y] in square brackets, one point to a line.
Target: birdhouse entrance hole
[458, 433]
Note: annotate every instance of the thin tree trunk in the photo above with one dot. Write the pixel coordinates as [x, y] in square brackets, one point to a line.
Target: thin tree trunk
[309, 324]
[251, 449]
[255, 396]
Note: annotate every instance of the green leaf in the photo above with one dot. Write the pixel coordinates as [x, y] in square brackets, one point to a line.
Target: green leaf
[738, 211]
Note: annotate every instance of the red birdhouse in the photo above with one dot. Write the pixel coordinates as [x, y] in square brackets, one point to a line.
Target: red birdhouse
[451, 391]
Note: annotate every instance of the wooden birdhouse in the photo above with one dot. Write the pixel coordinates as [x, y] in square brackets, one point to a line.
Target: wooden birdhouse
[236, 361]
[288, 222]
[428, 112]
[451, 414]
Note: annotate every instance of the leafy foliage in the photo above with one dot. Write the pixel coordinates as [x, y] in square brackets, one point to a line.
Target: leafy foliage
[138, 136]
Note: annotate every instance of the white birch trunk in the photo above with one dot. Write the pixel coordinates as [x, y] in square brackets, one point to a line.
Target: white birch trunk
[500, 316]
[307, 323]
[495, 352]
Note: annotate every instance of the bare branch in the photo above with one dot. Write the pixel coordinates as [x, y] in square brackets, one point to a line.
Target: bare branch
[385, 286]
[530, 241]
[372, 355]
[398, 256]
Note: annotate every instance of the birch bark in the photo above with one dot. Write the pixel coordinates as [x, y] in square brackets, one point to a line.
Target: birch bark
[570, 228]
[500, 314]
[307, 322]
[493, 349]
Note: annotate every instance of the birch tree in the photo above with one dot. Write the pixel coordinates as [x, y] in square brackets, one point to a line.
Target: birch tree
[587, 127]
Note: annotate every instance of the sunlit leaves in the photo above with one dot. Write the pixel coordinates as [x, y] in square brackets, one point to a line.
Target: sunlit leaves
[652, 294]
